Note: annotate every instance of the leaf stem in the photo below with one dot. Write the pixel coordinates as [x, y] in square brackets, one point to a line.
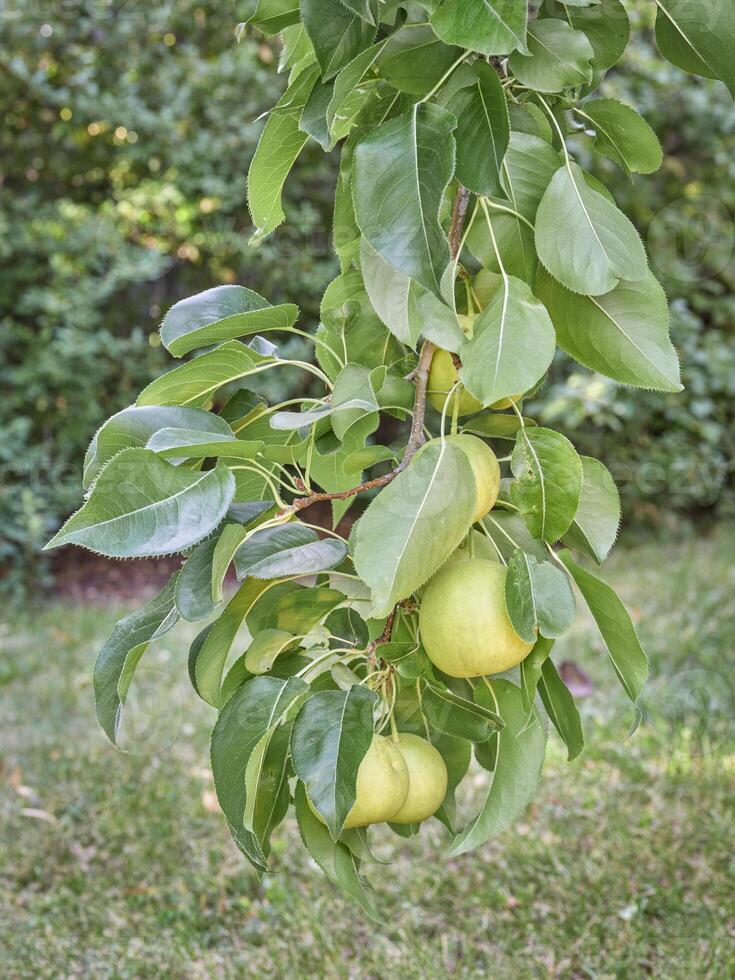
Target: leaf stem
[443, 79]
[567, 159]
[502, 207]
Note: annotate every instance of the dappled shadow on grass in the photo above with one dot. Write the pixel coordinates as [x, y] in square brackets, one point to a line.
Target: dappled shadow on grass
[121, 865]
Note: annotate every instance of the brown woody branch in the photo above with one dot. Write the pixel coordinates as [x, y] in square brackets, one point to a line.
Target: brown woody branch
[459, 209]
[420, 376]
[385, 637]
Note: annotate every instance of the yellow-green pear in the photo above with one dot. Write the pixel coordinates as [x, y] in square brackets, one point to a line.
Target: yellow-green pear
[442, 378]
[382, 785]
[427, 779]
[485, 467]
[464, 623]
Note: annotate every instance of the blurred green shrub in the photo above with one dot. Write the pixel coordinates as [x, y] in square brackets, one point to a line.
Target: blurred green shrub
[124, 152]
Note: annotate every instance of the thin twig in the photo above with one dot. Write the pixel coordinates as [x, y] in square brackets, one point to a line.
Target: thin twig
[459, 210]
[385, 637]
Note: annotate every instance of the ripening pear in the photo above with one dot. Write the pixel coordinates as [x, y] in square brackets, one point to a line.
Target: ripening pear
[485, 468]
[442, 377]
[464, 623]
[427, 779]
[382, 785]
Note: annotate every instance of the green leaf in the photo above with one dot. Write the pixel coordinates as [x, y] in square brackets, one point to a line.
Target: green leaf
[490, 27]
[530, 669]
[405, 307]
[242, 407]
[301, 420]
[558, 57]
[285, 550]
[561, 709]
[211, 649]
[512, 346]
[483, 131]
[295, 44]
[456, 753]
[527, 170]
[624, 136]
[314, 117]
[351, 331]
[606, 25]
[515, 244]
[133, 427]
[623, 334]
[345, 233]
[402, 168]
[583, 239]
[596, 523]
[253, 711]
[119, 657]
[362, 8]
[280, 144]
[513, 784]
[539, 598]
[414, 524]
[698, 36]
[615, 626]
[409, 659]
[142, 506]
[508, 531]
[194, 599]
[272, 16]
[414, 60]
[496, 425]
[237, 675]
[219, 314]
[247, 511]
[267, 792]
[336, 860]
[228, 542]
[296, 610]
[355, 415]
[350, 90]
[281, 446]
[337, 34]
[178, 445]
[329, 471]
[454, 715]
[194, 382]
[265, 648]
[331, 734]
[548, 481]
[532, 120]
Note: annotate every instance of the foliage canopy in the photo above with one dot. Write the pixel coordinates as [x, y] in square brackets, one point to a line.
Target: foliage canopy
[462, 223]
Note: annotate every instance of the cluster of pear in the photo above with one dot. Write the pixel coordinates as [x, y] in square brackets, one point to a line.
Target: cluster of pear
[400, 780]
[465, 630]
[463, 620]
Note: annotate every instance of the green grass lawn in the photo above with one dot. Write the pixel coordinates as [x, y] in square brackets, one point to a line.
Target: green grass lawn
[121, 866]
